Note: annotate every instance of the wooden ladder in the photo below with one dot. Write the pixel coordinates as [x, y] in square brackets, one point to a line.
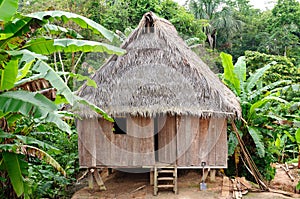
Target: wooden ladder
[165, 177]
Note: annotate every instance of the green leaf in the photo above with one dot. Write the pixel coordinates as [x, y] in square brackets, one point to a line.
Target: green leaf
[240, 69]
[54, 79]
[7, 9]
[5, 35]
[27, 56]
[297, 136]
[17, 27]
[258, 140]
[278, 142]
[258, 92]
[298, 186]
[262, 102]
[54, 29]
[29, 141]
[49, 46]
[232, 143]
[78, 19]
[32, 103]
[13, 167]
[24, 71]
[9, 75]
[94, 108]
[42, 155]
[89, 81]
[253, 79]
[289, 136]
[229, 75]
[26, 103]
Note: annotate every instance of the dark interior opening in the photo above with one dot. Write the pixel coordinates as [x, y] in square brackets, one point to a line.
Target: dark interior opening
[120, 125]
[149, 25]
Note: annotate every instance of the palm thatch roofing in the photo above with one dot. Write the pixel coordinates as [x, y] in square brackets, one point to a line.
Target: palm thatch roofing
[159, 74]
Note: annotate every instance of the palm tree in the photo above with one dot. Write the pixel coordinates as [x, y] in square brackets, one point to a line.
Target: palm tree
[219, 16]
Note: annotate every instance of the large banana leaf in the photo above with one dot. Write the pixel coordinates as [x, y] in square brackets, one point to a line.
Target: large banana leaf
[253, 79]
[240, 69]
[262, 102]
[17, 27]
[78, 19]
[54, 29]
[28, 141]
[49, 46]
[31, 103]
[258, 140]
[42, 155]
[7, 9]
[13, 168]
[258, 92]
[229, 76]
[93, 107]
[54, 79]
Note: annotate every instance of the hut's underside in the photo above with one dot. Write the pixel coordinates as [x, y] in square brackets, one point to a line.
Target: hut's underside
[187, 141]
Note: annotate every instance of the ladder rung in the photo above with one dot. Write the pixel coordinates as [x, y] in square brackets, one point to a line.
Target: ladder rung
[165, 171]
[165, 178]
[165, 186]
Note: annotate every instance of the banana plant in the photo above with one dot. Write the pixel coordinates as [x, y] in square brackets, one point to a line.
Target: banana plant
[253, 96]
[27, 80]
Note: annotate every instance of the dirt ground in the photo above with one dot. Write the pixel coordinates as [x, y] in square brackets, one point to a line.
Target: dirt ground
[122, 185]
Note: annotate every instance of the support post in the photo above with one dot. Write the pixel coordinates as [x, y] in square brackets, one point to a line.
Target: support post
[151, 177]
[212, 175]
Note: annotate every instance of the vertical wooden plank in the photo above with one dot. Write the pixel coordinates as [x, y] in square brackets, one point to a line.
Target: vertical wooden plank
[181, 123]
[86, 140]
[81, 141]
[194, 148]
[167, 139]
[130, 135]
[212, 140]
[148, 141]
[161, 122]
[140, 141]
[203, 141]
[173, 140]
[103, 142]
[221, 146]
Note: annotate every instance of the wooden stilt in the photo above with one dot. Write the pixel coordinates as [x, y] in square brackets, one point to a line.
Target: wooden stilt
[91, 179]
[99, 180]
[155, 181]
[151, 177]
[94, 174]
[212, 175]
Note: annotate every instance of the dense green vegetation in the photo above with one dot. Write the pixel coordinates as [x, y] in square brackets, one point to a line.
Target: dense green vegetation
[38, 139]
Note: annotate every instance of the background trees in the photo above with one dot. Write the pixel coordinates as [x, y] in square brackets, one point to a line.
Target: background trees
[220, 18]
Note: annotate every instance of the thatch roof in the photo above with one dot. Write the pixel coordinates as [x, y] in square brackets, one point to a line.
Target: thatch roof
[159, 74]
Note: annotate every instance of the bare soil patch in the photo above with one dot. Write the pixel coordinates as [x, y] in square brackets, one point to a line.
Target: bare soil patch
[122, 185]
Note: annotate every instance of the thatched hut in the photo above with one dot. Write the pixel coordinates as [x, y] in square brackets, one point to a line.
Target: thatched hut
[168, 105]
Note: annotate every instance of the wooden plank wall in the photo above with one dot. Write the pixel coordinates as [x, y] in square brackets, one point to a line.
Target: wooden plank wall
[167, 139]
[187, 138]
[99, 146]
[86, 142]
[206, 142]
[190, 139]
[140, 141]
